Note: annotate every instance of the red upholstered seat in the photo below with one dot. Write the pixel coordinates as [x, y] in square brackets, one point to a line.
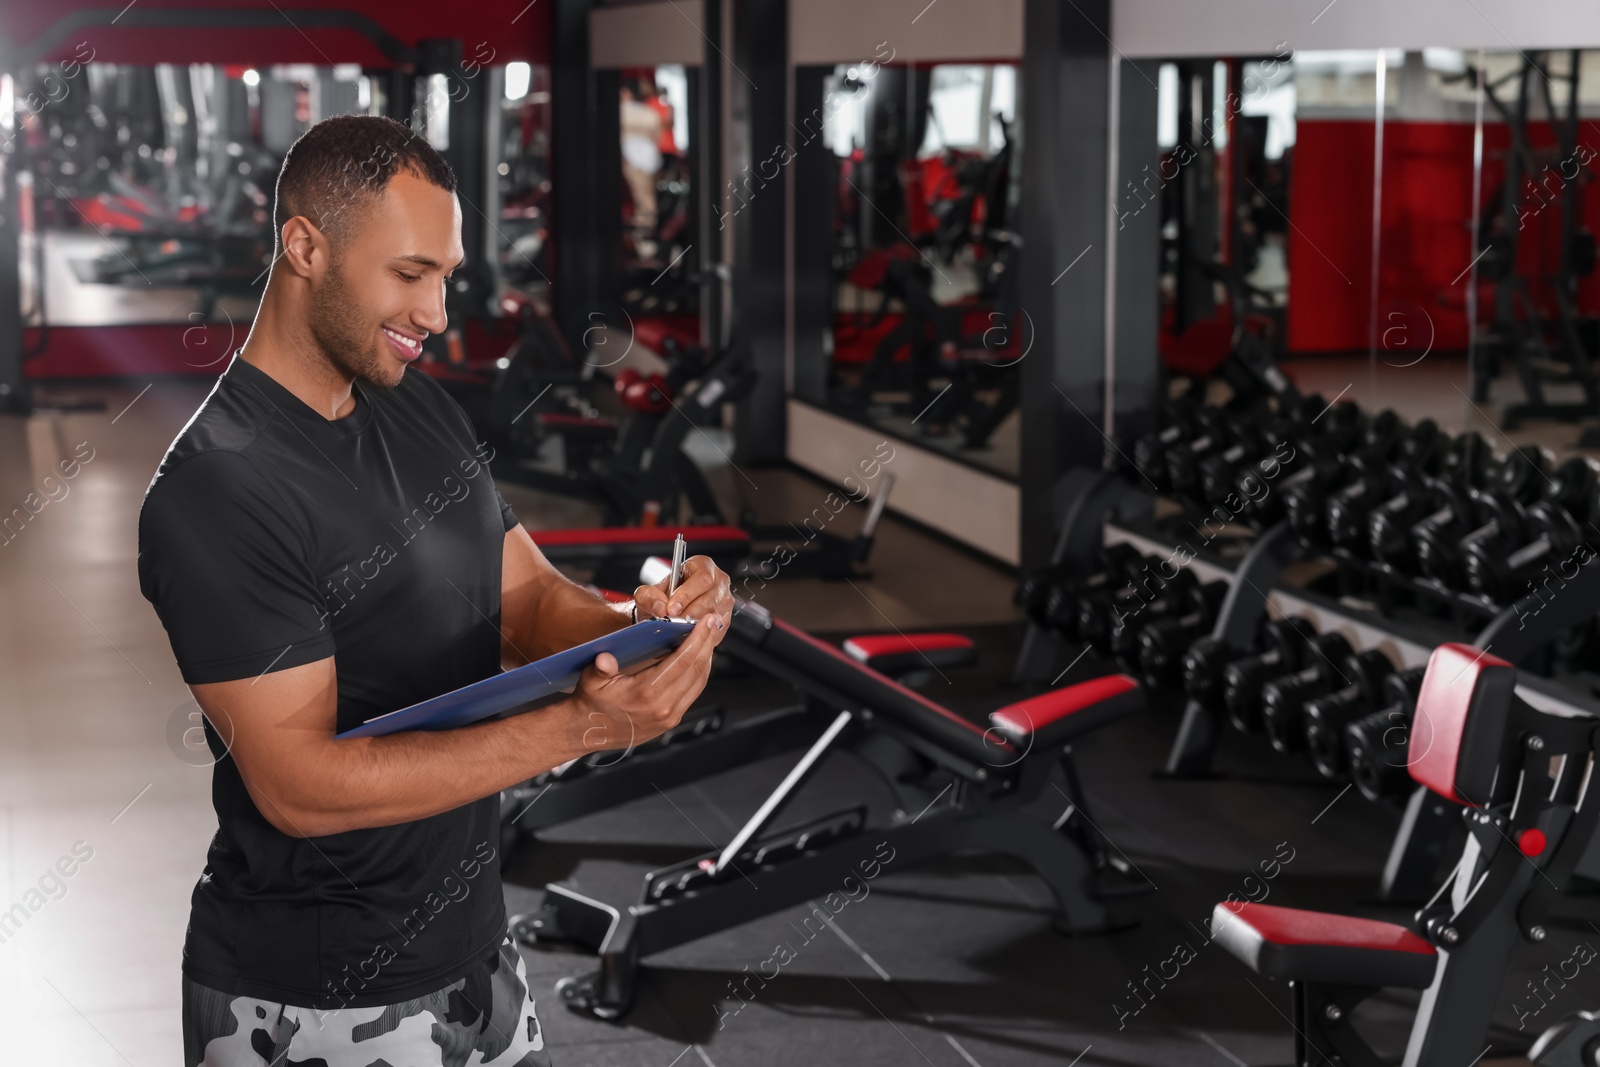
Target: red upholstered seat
[1315, 946]
[1058, 716]
[898, 653]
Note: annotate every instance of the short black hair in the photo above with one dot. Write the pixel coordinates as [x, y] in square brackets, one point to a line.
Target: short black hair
[342, 161]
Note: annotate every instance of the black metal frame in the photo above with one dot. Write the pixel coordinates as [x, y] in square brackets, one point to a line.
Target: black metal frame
[1496, 895]
[761, 872]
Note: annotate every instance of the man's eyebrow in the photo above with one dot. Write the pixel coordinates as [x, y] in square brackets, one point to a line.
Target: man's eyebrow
[428, 261]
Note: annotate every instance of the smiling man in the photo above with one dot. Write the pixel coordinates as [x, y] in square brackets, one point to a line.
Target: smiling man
[324, 543]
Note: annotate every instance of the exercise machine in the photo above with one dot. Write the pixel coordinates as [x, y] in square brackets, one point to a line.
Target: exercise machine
[1531, 826]
[967, 784]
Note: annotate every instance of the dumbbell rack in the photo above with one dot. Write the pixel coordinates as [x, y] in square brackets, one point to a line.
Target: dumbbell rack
[1105, 510]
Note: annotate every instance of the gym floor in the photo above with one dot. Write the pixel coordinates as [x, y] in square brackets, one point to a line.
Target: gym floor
[956, 960]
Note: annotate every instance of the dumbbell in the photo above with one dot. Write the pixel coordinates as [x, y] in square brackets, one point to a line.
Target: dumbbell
[1436, 506]
[1183, 459]
[1327, 716]
[1244, 678]
[1467, 461]
[1163, 642]
[1179, 421]
[1495, 525]
[1095, 611]
[1423, 449]
[1131, 612]
[1524, 474]
[1071, 603]
[1376, 745]
[1572, 486]
[1207, 657]
[1551, 536]
[1349, 510]
[1045, 593]
[1283, 699]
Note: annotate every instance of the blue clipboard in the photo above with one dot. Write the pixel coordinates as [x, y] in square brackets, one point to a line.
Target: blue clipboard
[509, 689]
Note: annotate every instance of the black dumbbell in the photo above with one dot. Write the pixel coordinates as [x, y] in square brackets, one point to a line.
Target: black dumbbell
[1163, 642]
[1435, 535]
[1524, 474]
[1349, 510]
[1149, 451]
[1243, 679]
[1495, 526]
[1467, 461]
[1501, 576]
[1207, 658]
[1131, 612]
[1436, 503]
[1218, 431]
[1096, 611]
[1054, 583]
[1423, 449]
[1283, 699]
[1572, 486]
[1327, 716]
[1376, 745]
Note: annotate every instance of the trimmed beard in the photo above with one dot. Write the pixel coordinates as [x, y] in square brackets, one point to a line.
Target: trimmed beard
[341, 333]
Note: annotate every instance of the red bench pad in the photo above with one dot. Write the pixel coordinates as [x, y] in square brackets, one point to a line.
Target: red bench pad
[900, 653]
[1459, 737]
[1058, 716]
[640, 535]
[1315, 946]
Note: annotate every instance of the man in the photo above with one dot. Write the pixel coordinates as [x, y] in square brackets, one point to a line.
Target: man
[323, 543]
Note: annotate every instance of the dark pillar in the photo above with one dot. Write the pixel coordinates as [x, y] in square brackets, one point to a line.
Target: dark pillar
[1136, 237]
[1065, 105]
[586, 171]
[708, 188]
[759, 89]
[816, 194]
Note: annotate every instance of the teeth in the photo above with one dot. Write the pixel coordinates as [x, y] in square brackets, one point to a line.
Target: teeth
[403, 341]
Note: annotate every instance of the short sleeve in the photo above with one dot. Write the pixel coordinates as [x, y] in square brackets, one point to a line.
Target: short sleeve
[507, 516]
[227, 570]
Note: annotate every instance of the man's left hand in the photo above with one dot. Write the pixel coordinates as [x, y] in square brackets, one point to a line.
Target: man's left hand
[704, 590]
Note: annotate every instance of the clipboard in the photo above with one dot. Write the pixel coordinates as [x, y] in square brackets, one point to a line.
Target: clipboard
[509, 689]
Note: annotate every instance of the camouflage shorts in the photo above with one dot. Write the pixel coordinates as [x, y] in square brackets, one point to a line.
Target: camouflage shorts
[486, 1018]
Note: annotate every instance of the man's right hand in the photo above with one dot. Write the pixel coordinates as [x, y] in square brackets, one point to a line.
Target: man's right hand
[615, 710]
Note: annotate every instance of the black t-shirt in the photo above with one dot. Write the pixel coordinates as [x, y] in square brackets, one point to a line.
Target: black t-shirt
[272, 537]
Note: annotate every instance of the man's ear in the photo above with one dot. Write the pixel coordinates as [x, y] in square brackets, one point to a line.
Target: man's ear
[305, 248]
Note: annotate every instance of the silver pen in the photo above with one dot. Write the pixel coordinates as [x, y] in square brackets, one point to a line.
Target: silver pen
[679, 549]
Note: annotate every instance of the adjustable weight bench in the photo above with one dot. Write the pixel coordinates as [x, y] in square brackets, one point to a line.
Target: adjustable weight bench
[925, 753]
[1531, 827]
[709, 741]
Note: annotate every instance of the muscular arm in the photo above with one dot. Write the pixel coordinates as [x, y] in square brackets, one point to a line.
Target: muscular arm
[280, 727]
[543, 612]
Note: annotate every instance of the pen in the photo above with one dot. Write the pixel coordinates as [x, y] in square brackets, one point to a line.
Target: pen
[678, 550]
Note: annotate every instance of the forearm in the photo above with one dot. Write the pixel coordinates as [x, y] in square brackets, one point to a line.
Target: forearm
[566, 614]
[366, 782]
